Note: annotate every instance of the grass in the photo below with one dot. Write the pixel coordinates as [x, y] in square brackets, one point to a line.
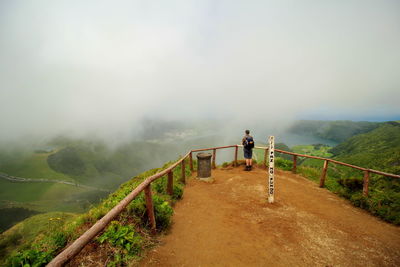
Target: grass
[30, 242]
[33, 195]
[313, 150]
[33, 166]
[42, 197]
[22, 192]
[32, 230]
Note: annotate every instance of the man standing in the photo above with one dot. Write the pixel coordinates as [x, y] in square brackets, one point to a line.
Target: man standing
[248, 145]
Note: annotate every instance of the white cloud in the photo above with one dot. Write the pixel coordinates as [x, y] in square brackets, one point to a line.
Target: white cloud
[103, 65]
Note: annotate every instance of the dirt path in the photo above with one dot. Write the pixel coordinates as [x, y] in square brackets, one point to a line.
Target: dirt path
[229, 223]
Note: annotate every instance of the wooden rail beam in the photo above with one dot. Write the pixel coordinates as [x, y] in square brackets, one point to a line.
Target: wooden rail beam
[150, 208]
[211, 148]
[384, 173]
[170, 183]
[323, 174]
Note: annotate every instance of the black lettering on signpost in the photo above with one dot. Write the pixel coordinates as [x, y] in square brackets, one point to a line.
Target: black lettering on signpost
[271, 171]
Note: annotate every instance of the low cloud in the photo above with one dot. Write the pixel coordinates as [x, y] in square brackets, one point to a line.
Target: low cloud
[101, 67]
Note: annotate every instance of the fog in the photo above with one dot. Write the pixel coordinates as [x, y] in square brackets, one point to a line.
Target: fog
[103, 67]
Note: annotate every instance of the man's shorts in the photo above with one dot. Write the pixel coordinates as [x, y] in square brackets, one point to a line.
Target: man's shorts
[248, 153]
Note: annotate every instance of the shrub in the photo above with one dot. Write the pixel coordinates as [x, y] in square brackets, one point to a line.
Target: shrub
[160, 186]
[163, 212]
[122, 236]
[359, 200]
[138, 207]
[353, 184]
[284, 164]
[31, 257]
[177, 191]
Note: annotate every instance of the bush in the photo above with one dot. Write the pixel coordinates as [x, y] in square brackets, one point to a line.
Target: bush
[177, 191]
[160, 186]
[359, 200]
[122, 236]
[353, 184]
[284, 164]
[163, 212]
[31, 257]
[138, 207]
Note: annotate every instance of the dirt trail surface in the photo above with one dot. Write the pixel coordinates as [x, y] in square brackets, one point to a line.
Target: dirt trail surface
[229, 223]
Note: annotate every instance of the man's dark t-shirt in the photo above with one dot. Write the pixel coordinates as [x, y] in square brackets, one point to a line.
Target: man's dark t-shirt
[248, 152]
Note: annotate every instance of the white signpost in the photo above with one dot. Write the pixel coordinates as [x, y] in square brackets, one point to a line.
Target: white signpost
[271, 170]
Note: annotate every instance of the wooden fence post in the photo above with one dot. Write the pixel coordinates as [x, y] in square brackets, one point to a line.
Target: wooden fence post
[183, 175]
[265, 158]
[150, 208]
[170, 184]
[236, 156]
[213, 158]
[294, 169]
[191, 161]
[366, 183]
[323, 174]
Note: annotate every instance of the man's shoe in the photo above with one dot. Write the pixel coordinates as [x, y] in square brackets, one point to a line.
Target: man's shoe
[247, 168]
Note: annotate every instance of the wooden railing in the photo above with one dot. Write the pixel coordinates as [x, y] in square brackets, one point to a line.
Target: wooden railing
[145, 186]
[325, 167]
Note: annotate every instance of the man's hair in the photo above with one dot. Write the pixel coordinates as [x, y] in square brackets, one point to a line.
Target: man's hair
[247, 132]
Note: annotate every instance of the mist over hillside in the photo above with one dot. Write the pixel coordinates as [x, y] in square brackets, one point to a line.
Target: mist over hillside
[95, 166]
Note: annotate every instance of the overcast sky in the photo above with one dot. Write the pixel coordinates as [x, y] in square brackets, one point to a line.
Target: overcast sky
[104, 65]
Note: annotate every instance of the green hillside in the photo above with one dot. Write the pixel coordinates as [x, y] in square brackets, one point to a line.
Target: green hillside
[378, 149]
[332, 130]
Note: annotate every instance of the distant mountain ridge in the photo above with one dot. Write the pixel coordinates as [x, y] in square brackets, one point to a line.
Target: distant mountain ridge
[338, 131]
